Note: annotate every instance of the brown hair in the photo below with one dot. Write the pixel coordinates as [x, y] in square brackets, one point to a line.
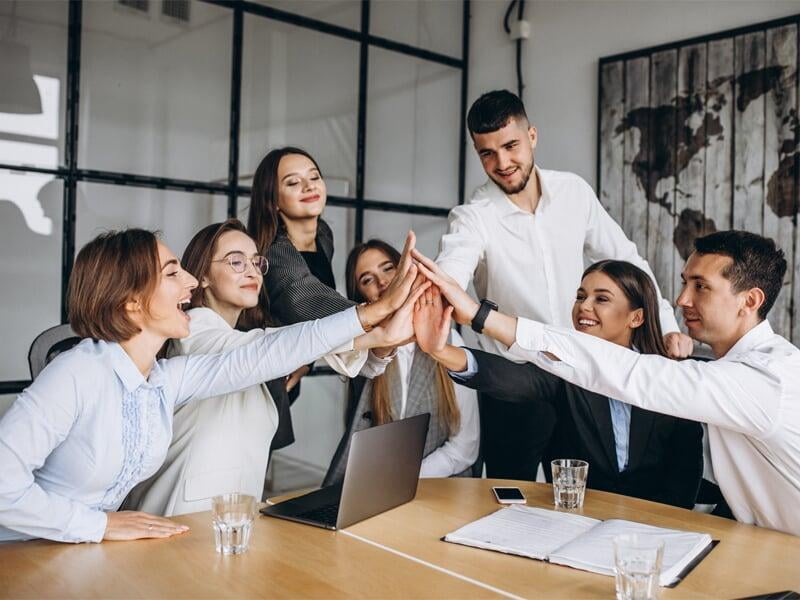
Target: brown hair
[197, 260]
[111, 270]
[381, 406]
[641, 293]
[263, 222]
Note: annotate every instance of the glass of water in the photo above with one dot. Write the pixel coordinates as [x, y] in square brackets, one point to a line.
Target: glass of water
[637, 565]
[569, 482]
[233, 516]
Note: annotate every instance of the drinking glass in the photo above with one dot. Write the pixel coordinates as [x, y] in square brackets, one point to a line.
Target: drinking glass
[637, 565]
[233, 516]
[569, 482]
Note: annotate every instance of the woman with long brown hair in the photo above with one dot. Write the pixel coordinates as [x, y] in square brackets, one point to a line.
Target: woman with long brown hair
[98, 419]
[412, 384]
[630, 450]
[222, 444]
[285, 220]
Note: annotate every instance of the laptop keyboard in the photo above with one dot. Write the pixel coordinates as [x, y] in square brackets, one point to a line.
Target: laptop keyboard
[323, 514]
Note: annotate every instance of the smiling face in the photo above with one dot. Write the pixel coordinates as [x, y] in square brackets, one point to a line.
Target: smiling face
[602, 309]
[374, 272]
[224, 289]
[301, 189]
[165, 317]
[507, 154]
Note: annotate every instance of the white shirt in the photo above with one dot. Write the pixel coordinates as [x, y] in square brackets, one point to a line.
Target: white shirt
[90, 426]
[750, 399]
[531, 264]
[460, 450]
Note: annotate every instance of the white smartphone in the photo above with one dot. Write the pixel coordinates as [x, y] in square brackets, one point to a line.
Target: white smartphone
[509, 495]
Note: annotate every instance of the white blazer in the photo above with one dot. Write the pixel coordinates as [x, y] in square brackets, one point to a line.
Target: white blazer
[219, 444]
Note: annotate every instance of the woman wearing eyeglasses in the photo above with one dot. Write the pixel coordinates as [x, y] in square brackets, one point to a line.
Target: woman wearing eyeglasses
[221, 444]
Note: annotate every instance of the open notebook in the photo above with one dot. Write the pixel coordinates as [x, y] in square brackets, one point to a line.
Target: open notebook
[574, 540]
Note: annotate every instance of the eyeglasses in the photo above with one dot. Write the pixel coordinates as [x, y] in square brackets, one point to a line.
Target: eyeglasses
[238, 262]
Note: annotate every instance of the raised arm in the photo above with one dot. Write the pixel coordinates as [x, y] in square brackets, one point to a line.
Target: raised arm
[726, 393]
[462, 247]
[276, 353]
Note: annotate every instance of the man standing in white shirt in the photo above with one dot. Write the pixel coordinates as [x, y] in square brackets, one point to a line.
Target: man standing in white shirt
[749, 396]
[526, 236]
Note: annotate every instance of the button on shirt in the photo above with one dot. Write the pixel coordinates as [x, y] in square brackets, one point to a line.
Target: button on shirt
[531, 264]
[750, 399]
[90, 426]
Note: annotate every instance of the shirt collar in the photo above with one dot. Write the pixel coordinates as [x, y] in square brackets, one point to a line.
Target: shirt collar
[504, 204]
[760, 333]
[129, 374]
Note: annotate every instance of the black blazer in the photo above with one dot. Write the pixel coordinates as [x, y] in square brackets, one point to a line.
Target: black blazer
[665, 454]
[295, 294]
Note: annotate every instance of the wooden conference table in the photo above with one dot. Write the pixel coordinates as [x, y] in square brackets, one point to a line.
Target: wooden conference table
[396, 554]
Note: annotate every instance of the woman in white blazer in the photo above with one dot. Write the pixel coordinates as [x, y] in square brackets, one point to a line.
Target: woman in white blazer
[221, 444]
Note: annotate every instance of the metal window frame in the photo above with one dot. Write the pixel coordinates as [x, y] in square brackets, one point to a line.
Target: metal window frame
[71, 175]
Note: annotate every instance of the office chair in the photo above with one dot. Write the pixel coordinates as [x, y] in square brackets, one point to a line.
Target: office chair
[49, 344]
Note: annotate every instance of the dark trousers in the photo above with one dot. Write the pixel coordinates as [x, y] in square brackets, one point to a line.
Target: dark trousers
[514, 436]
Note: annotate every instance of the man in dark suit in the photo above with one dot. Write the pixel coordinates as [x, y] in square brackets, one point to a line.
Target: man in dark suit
[662, 459]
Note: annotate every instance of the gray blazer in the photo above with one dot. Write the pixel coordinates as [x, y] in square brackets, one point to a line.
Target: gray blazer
[295, 295]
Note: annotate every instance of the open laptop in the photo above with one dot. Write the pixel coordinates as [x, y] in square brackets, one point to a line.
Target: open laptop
[382, 472]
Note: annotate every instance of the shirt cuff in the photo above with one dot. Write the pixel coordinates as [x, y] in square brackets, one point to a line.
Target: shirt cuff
[355, 326]
[470, 371]
[529, 338]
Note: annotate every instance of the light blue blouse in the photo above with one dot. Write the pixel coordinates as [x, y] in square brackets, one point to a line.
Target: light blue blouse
[91, 427]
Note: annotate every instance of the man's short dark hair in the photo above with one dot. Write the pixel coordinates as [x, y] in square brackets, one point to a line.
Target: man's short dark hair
[493, 110]
[757, 262]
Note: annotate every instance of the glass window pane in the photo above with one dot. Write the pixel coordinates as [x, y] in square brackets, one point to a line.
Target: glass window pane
[30, 265]
[155, 93]
[299, 88]
[412, 130]
[430, 24]
[33, 48]
[392, 227]
[178, 215]
[318, 421]
[345, 13]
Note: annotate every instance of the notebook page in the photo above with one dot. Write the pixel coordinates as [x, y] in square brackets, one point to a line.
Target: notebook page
[523, 530]
[594, 551]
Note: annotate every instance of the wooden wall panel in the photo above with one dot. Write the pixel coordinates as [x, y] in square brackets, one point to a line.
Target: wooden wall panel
[720, 132]
[748, 156]
[612, 143]
[780, 78]
[636, 167]
[690, 161]
[661, 183]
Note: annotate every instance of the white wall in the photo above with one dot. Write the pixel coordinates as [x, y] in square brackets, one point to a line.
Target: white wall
[560, 60]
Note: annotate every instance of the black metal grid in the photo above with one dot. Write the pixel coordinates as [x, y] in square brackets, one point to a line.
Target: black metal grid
[71, 174]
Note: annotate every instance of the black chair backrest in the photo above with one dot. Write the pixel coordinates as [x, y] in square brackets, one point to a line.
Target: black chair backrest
[49, 344]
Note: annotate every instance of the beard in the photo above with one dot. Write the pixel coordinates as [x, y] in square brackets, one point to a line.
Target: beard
[516, 189]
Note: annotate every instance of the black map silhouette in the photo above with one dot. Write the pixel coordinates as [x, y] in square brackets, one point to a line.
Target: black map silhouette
[671, 135]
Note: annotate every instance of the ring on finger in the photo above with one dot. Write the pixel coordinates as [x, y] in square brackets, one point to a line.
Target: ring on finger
[150, 527]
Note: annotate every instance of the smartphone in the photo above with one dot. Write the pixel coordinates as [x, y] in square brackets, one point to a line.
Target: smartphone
[509, 495]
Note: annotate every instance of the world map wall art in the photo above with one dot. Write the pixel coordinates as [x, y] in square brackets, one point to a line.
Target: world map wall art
[702, 135]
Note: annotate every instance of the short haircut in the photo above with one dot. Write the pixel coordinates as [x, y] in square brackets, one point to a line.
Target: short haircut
[757, 262]
[111, 270]
[493, 110]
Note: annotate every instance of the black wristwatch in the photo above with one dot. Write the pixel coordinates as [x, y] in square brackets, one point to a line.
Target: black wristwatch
[480, 317]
